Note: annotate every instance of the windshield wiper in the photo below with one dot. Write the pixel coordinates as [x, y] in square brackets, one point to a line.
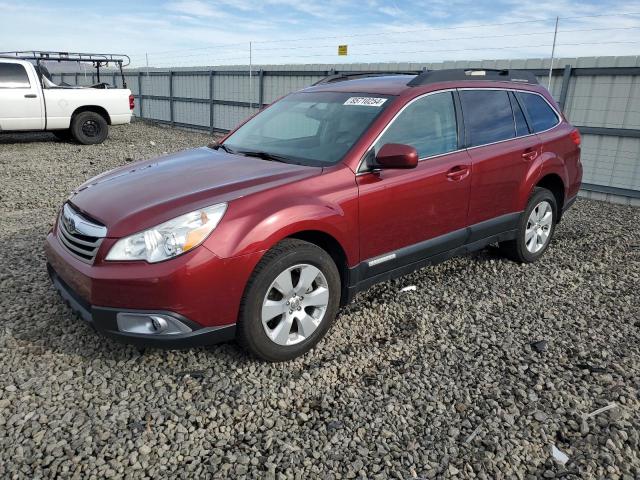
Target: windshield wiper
[216, 146]
[264, 155]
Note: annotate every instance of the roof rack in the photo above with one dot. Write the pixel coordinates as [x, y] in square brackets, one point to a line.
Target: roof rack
[98, 59]
[103, 58]
[342, 76]
[483, 74]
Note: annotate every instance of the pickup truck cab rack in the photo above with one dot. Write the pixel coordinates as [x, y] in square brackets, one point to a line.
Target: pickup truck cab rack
[98, 59]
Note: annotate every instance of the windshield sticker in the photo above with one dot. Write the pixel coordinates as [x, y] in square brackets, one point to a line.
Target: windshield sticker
[365, 101]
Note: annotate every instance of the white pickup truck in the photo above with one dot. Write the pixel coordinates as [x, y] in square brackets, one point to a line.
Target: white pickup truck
[29, 101]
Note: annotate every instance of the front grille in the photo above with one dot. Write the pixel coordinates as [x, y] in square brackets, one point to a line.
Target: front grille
[81, 236]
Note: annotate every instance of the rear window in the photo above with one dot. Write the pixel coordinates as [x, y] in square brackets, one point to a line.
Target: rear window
[540, 113]
[488, 117]
[13, 75]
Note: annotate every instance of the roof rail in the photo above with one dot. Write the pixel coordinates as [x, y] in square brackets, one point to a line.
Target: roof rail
[342, 76]
[102, 58]
[482, 74]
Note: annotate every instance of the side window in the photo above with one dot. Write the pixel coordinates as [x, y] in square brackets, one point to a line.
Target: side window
[487, 116]
[522, 128]
[428, 124]
[540, 113]
[13, 75]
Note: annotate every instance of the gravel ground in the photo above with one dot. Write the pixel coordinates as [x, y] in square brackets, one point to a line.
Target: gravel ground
[442, 381]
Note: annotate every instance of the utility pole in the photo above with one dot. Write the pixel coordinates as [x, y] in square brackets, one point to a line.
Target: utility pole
[553, 52]
[147, 57]
[250, 75]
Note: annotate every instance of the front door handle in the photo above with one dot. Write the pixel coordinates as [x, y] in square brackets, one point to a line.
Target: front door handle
[457, 173]
[530, 154]
[30, 95]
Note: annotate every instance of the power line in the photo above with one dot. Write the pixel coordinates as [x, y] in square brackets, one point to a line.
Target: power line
[398, 32]
[208, 47]
[512, 47]
[462, 49]
[460, 27]
[547, 32]
[475, 37]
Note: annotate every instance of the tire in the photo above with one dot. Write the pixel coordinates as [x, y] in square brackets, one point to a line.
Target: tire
[64, 135]
[89, 128]
[278, 333]
[531, 242]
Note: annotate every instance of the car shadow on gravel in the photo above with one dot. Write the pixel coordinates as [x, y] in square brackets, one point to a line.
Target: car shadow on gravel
[28, 137]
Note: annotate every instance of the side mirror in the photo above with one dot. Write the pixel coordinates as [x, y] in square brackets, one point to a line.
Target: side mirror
[396, 155]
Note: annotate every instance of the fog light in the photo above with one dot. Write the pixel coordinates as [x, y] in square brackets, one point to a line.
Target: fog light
[159, 324]
[150, 324]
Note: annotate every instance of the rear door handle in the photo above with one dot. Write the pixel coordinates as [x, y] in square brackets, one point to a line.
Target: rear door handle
[30, 95]
[530, 155]
[458, 173]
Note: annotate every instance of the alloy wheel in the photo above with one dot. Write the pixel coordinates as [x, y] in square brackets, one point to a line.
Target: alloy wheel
[539, 225]
[295, 304]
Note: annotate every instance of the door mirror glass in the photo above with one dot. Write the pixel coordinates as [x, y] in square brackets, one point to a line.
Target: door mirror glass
[396, 155]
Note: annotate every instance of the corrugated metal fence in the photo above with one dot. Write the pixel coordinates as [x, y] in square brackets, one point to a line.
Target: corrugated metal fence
[600, 95]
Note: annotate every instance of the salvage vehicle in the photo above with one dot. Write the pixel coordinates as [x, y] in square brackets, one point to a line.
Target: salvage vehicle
[355, 180]
[31, 101]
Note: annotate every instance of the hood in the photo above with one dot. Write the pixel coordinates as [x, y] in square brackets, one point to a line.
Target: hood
[144, 194]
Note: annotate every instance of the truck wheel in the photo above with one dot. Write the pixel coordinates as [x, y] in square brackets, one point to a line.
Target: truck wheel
[89, 128]
[64, 135]
[290, 301]
[535, 228]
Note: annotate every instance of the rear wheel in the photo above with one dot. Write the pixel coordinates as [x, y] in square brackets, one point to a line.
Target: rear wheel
[290, 301]
[535, 228]
[89, 128]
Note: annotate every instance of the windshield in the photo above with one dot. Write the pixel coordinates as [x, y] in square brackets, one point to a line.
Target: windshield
[315, 128]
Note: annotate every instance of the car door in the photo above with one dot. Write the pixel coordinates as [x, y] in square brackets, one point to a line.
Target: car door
[408, 215]
[501, 149]
[20, 98]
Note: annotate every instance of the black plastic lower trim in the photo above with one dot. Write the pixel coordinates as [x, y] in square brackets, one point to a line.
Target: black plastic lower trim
[104, 321]
[431, 252]
[568, 204]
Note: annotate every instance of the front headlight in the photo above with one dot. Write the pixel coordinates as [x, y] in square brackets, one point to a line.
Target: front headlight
[169, 239]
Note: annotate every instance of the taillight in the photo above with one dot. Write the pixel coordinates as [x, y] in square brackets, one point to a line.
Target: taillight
[575, 137]
[132, 102]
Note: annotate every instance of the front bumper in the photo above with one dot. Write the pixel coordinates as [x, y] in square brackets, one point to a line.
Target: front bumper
[198, 289]
[104, 320]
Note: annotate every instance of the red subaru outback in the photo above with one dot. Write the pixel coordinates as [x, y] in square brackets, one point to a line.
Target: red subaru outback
[353, 181]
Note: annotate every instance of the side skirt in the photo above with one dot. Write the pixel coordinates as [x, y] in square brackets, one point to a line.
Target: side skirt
[431, 252]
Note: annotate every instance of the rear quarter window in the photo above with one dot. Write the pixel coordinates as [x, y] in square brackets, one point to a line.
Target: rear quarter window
[541, 115]
[488, 117]
[13, 75]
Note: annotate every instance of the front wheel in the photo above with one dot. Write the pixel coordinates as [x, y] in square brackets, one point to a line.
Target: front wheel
[290, 301]
[89, 128]
[535, 228]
